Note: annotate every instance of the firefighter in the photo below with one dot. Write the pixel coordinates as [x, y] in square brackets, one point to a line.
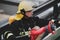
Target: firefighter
[24, 13]
[24, 20]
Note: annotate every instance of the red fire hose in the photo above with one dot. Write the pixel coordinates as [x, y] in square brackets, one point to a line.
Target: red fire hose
[35, 33]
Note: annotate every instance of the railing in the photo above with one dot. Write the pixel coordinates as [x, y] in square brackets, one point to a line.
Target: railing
[53, 36]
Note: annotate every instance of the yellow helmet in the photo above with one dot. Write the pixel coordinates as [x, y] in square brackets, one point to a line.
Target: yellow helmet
[26, 5]
[23, 7]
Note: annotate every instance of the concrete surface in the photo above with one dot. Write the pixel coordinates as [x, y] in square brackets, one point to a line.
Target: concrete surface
[3, 17]
[9, 9]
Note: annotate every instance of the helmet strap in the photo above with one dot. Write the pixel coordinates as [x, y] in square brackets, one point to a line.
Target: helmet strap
[23, 11]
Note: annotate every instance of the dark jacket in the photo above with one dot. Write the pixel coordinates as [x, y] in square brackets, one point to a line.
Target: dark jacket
[25, 23]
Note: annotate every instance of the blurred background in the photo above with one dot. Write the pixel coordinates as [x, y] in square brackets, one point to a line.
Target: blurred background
[45, 9]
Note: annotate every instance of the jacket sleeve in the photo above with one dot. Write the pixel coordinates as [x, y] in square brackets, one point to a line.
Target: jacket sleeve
[41, 22]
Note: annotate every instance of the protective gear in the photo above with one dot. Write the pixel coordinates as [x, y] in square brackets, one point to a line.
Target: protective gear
[25, 23]
[8, 35]
[26, 5]
[11, 19]
[22, 8]
[19, 16]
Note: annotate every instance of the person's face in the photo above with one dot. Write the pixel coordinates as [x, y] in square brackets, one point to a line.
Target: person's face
[29, 14]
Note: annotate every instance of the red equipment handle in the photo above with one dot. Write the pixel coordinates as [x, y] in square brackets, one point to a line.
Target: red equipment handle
[49, 27]
[34, 33]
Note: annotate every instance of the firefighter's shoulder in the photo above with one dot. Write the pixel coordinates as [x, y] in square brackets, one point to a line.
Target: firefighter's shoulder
[11, 19]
